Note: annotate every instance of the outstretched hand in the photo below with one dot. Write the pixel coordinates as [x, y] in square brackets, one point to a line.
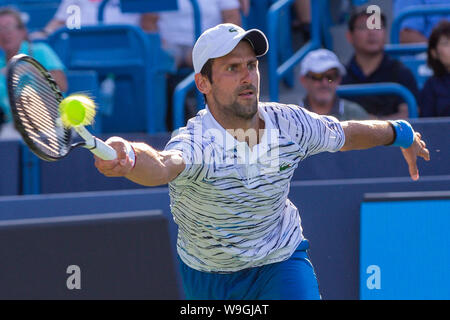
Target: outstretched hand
[417, 149]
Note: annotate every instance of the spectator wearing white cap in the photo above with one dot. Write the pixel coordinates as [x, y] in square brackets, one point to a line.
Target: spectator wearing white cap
[321, 73]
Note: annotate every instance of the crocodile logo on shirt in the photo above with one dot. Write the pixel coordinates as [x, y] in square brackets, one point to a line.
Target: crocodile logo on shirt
[232, 30]
[285, 166]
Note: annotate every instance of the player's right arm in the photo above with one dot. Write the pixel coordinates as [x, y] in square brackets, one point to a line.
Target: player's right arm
[151, 167]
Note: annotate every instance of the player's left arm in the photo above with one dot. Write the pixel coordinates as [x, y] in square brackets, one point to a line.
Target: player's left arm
[372, 133]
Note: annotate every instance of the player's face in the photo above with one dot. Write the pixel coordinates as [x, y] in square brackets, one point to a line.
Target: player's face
[235, 82]
[365, 40]
[11, 36]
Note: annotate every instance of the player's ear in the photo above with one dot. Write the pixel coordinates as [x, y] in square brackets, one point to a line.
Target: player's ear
[203, 84]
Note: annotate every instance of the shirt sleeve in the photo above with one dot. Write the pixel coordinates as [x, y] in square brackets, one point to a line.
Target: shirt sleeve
[316, 133]
[191, 152]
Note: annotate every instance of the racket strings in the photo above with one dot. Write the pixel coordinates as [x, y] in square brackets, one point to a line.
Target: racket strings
[37, 119]
[37, 107]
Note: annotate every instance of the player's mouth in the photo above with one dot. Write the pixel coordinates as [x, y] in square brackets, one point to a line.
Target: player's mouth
[247, 94]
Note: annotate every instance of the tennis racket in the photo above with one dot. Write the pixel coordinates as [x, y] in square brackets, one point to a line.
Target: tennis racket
[34, 99]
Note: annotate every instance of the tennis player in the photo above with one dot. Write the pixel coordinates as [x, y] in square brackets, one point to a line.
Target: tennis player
[229, 171]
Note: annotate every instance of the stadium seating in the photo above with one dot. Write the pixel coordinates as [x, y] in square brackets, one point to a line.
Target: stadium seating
[413, 56]
[419, 69]
[274, 32]
[147, 6]
[381, 88]
[416, 10]
[138, 63]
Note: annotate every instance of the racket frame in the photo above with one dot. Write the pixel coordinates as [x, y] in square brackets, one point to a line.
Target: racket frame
[12, 102]
[95, 145]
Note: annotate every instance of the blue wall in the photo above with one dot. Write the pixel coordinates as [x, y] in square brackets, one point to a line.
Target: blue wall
[405, 249]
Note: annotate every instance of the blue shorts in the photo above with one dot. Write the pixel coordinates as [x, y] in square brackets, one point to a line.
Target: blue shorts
[292, 279]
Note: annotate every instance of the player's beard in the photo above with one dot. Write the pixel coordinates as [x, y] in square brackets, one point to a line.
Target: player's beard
[239, 110]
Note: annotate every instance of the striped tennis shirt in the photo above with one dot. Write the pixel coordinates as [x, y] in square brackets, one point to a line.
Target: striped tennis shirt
[231, 202]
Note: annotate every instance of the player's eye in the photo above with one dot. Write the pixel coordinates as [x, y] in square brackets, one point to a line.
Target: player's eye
[252, 66]
[231, 68]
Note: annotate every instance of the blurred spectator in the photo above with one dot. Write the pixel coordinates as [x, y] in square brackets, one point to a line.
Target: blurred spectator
[177, 27]
[435, 95]
[14, 40]
[371, 65]
[88, 15]
[417, 28]
[320, 74]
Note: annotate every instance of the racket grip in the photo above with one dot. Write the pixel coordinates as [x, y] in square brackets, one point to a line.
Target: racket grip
[103, 151]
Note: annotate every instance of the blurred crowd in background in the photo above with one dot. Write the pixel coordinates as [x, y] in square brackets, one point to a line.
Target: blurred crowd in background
[320, 72]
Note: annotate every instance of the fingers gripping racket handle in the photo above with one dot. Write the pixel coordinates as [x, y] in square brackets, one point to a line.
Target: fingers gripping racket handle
[103, 151]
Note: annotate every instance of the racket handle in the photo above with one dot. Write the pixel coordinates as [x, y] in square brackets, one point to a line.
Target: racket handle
[103, 151]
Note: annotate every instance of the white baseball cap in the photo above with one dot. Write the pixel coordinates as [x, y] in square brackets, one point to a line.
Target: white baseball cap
[222, 39]
[319, 61]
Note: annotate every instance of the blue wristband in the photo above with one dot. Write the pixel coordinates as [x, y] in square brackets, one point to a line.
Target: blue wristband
[404, 133]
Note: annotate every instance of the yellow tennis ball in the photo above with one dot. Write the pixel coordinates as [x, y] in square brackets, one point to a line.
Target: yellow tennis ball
[77, 110]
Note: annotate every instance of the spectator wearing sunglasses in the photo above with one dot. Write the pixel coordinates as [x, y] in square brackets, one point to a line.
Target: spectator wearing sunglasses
[320, 74]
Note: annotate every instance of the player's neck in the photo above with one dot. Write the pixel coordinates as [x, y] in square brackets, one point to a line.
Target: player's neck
[240, 128]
